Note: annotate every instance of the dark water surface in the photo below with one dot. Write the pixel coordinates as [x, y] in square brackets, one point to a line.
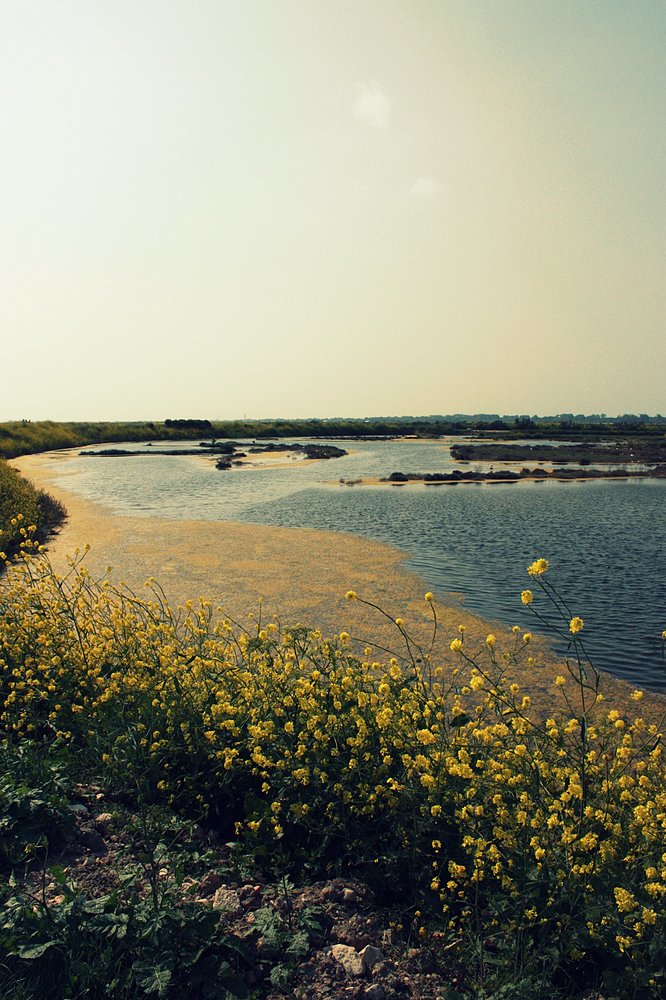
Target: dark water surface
[606, 541]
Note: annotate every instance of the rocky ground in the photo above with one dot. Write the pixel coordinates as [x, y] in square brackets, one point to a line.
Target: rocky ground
[328, 939]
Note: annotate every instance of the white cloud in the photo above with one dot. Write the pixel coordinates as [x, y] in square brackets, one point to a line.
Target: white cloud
[371, 105]
[425, 187]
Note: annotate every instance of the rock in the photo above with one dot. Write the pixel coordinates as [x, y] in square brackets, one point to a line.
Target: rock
[78, 809]
[371, 956]
[210, 883]
[352, 932]
[228, 900]
[349, 959]
[103, 822]
[374, 992]
[383, 969]
[349, 896]
[92, 840]
[249, 893]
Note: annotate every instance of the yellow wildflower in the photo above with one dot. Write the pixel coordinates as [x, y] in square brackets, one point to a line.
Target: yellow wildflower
[624, 900]
[538, 568]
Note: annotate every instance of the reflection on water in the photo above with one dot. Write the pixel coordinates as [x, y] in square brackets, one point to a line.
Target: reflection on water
[605, 540]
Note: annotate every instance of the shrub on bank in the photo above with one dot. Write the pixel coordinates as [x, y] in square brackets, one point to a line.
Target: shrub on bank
[536, 847]
[22, 506]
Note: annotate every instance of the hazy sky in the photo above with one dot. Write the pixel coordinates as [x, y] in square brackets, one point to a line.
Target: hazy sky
[219, 208]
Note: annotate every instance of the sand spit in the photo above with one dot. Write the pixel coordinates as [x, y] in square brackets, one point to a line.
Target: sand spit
[298, 574]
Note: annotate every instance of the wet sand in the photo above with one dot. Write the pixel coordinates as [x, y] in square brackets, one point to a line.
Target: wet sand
[298, 574]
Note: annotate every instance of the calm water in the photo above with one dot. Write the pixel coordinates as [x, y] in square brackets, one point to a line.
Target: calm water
[605, 540]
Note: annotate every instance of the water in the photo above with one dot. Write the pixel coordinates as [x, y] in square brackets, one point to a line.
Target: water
[604, 540]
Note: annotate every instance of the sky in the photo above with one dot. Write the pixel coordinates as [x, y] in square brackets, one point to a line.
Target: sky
[316, 208]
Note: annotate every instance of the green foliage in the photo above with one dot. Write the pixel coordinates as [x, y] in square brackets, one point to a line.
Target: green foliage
[33, 803]
[21, 506]
[114, 946]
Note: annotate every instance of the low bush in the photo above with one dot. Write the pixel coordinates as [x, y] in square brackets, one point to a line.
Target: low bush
[22, 506]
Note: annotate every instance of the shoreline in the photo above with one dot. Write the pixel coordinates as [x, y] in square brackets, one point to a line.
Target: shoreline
[253, 571]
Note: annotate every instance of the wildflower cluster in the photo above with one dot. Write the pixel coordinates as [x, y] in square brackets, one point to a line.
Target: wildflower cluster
[437, 778]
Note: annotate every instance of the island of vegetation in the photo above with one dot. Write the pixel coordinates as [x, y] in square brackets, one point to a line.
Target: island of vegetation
[228, 454]
[509, 476]
[623, 450]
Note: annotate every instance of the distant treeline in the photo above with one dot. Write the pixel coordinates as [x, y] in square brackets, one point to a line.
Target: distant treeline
[24, 437]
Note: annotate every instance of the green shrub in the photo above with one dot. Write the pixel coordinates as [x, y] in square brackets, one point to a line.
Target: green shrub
[23, 507]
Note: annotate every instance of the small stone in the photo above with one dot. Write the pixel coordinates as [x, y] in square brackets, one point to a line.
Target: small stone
[349, 959]
[389, 937]
[78, 809]
[348, 896]
[103, 822]
[374, 992]
[228, 900]
[92, 840]
[247, 891]
[210, 883]
[383, 969]
[371, 956]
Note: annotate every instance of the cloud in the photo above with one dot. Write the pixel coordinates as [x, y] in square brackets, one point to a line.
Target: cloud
[425, 187]
[371, 105]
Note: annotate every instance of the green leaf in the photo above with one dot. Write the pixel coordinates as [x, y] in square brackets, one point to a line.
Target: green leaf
[154, 979]
[36, 951]
[58, 873]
